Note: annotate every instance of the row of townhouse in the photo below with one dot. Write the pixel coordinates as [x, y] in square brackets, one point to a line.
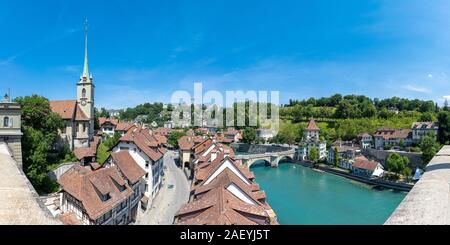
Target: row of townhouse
[111, 194]
[223, 192]
[349, 155]
[386, 136]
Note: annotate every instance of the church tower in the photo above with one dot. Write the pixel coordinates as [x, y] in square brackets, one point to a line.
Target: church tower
[85, 89]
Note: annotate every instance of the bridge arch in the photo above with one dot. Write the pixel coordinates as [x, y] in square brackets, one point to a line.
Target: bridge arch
[289, 159]
[254, 162]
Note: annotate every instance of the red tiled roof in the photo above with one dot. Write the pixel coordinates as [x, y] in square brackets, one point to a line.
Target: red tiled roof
[91, 151]
[103, 120]
[312, 126]
[65, 108]
[364, 163]
[220, 207]
[124, 126]
[186, 143]
[389, 133]
[84, 185]
[128, 166]
[144, 141]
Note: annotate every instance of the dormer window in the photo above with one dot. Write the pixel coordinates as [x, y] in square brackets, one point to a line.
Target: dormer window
[105, 197]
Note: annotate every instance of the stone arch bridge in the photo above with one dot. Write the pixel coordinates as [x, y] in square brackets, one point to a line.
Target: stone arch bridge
[271, 155]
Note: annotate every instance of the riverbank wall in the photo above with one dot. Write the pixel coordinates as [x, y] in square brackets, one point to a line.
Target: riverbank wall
[415, 159]
[374, 182]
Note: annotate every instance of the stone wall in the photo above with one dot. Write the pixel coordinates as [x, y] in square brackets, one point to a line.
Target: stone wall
[382, 155]
[15, 147]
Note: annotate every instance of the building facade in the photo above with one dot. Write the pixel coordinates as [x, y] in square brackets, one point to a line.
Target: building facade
[10, 127]
[100, 197]
[311, 139]
[422, 129]
[148, 153]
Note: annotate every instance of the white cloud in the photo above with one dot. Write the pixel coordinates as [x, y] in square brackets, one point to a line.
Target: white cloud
[417, 89]
[8, 60]
[447, 97]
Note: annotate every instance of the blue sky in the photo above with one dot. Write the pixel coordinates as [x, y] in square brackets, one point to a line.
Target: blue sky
[142, 51]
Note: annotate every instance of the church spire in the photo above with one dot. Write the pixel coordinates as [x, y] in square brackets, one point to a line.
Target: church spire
[86, 75]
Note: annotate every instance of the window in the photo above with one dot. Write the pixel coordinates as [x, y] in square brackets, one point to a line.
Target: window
[83, 93]
[147, 164]
[6, 122]
[84, 127]
[146, 176]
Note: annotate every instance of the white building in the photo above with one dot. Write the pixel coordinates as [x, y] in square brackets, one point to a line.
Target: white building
[265, 134]
[422, 129]
[10, 127]
[147, 152]
[365, 140]
[311, 139]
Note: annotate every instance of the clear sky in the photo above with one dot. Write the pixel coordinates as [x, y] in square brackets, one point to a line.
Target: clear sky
[142, 51]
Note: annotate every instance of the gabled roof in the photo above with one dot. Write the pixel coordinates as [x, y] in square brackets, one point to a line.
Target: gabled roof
[205, 171]
[225, 179]
[128, 166]
[103, 120]
[144, 141]
[220, 207]
[85, 185]
[389, 133]
[124, 126]
[91, 151]
[68, 110]
[364, 163]
[64, 108]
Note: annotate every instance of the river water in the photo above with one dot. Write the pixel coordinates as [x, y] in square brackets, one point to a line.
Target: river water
[300, 195]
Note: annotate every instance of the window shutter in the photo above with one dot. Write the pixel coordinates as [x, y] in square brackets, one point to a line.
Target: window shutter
[11, 122]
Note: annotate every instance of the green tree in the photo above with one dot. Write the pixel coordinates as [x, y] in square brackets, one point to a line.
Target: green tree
[173, 138]
[249, 135]
[396, 163]
[444, 127]
[427, 117]
[40, 130]
[337, 158]
[313, 155]
[429, 148]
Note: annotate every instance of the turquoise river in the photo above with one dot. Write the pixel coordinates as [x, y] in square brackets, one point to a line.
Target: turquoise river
[300, 195]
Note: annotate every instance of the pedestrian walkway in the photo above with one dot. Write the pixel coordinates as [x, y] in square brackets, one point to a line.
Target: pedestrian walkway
[173, 194]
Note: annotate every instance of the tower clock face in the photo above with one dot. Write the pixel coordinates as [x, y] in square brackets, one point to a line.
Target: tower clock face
[83, 102]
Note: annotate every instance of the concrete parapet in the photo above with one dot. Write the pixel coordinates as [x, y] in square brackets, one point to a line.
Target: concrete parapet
[428, 202]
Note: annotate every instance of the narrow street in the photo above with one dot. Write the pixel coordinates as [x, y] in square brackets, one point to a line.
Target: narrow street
[174, 193]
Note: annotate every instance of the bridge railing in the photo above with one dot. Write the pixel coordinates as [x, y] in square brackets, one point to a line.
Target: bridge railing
[428, 201]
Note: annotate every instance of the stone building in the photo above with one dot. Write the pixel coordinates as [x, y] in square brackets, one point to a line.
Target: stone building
[311, 139]
[78, 115]
[10, 123]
